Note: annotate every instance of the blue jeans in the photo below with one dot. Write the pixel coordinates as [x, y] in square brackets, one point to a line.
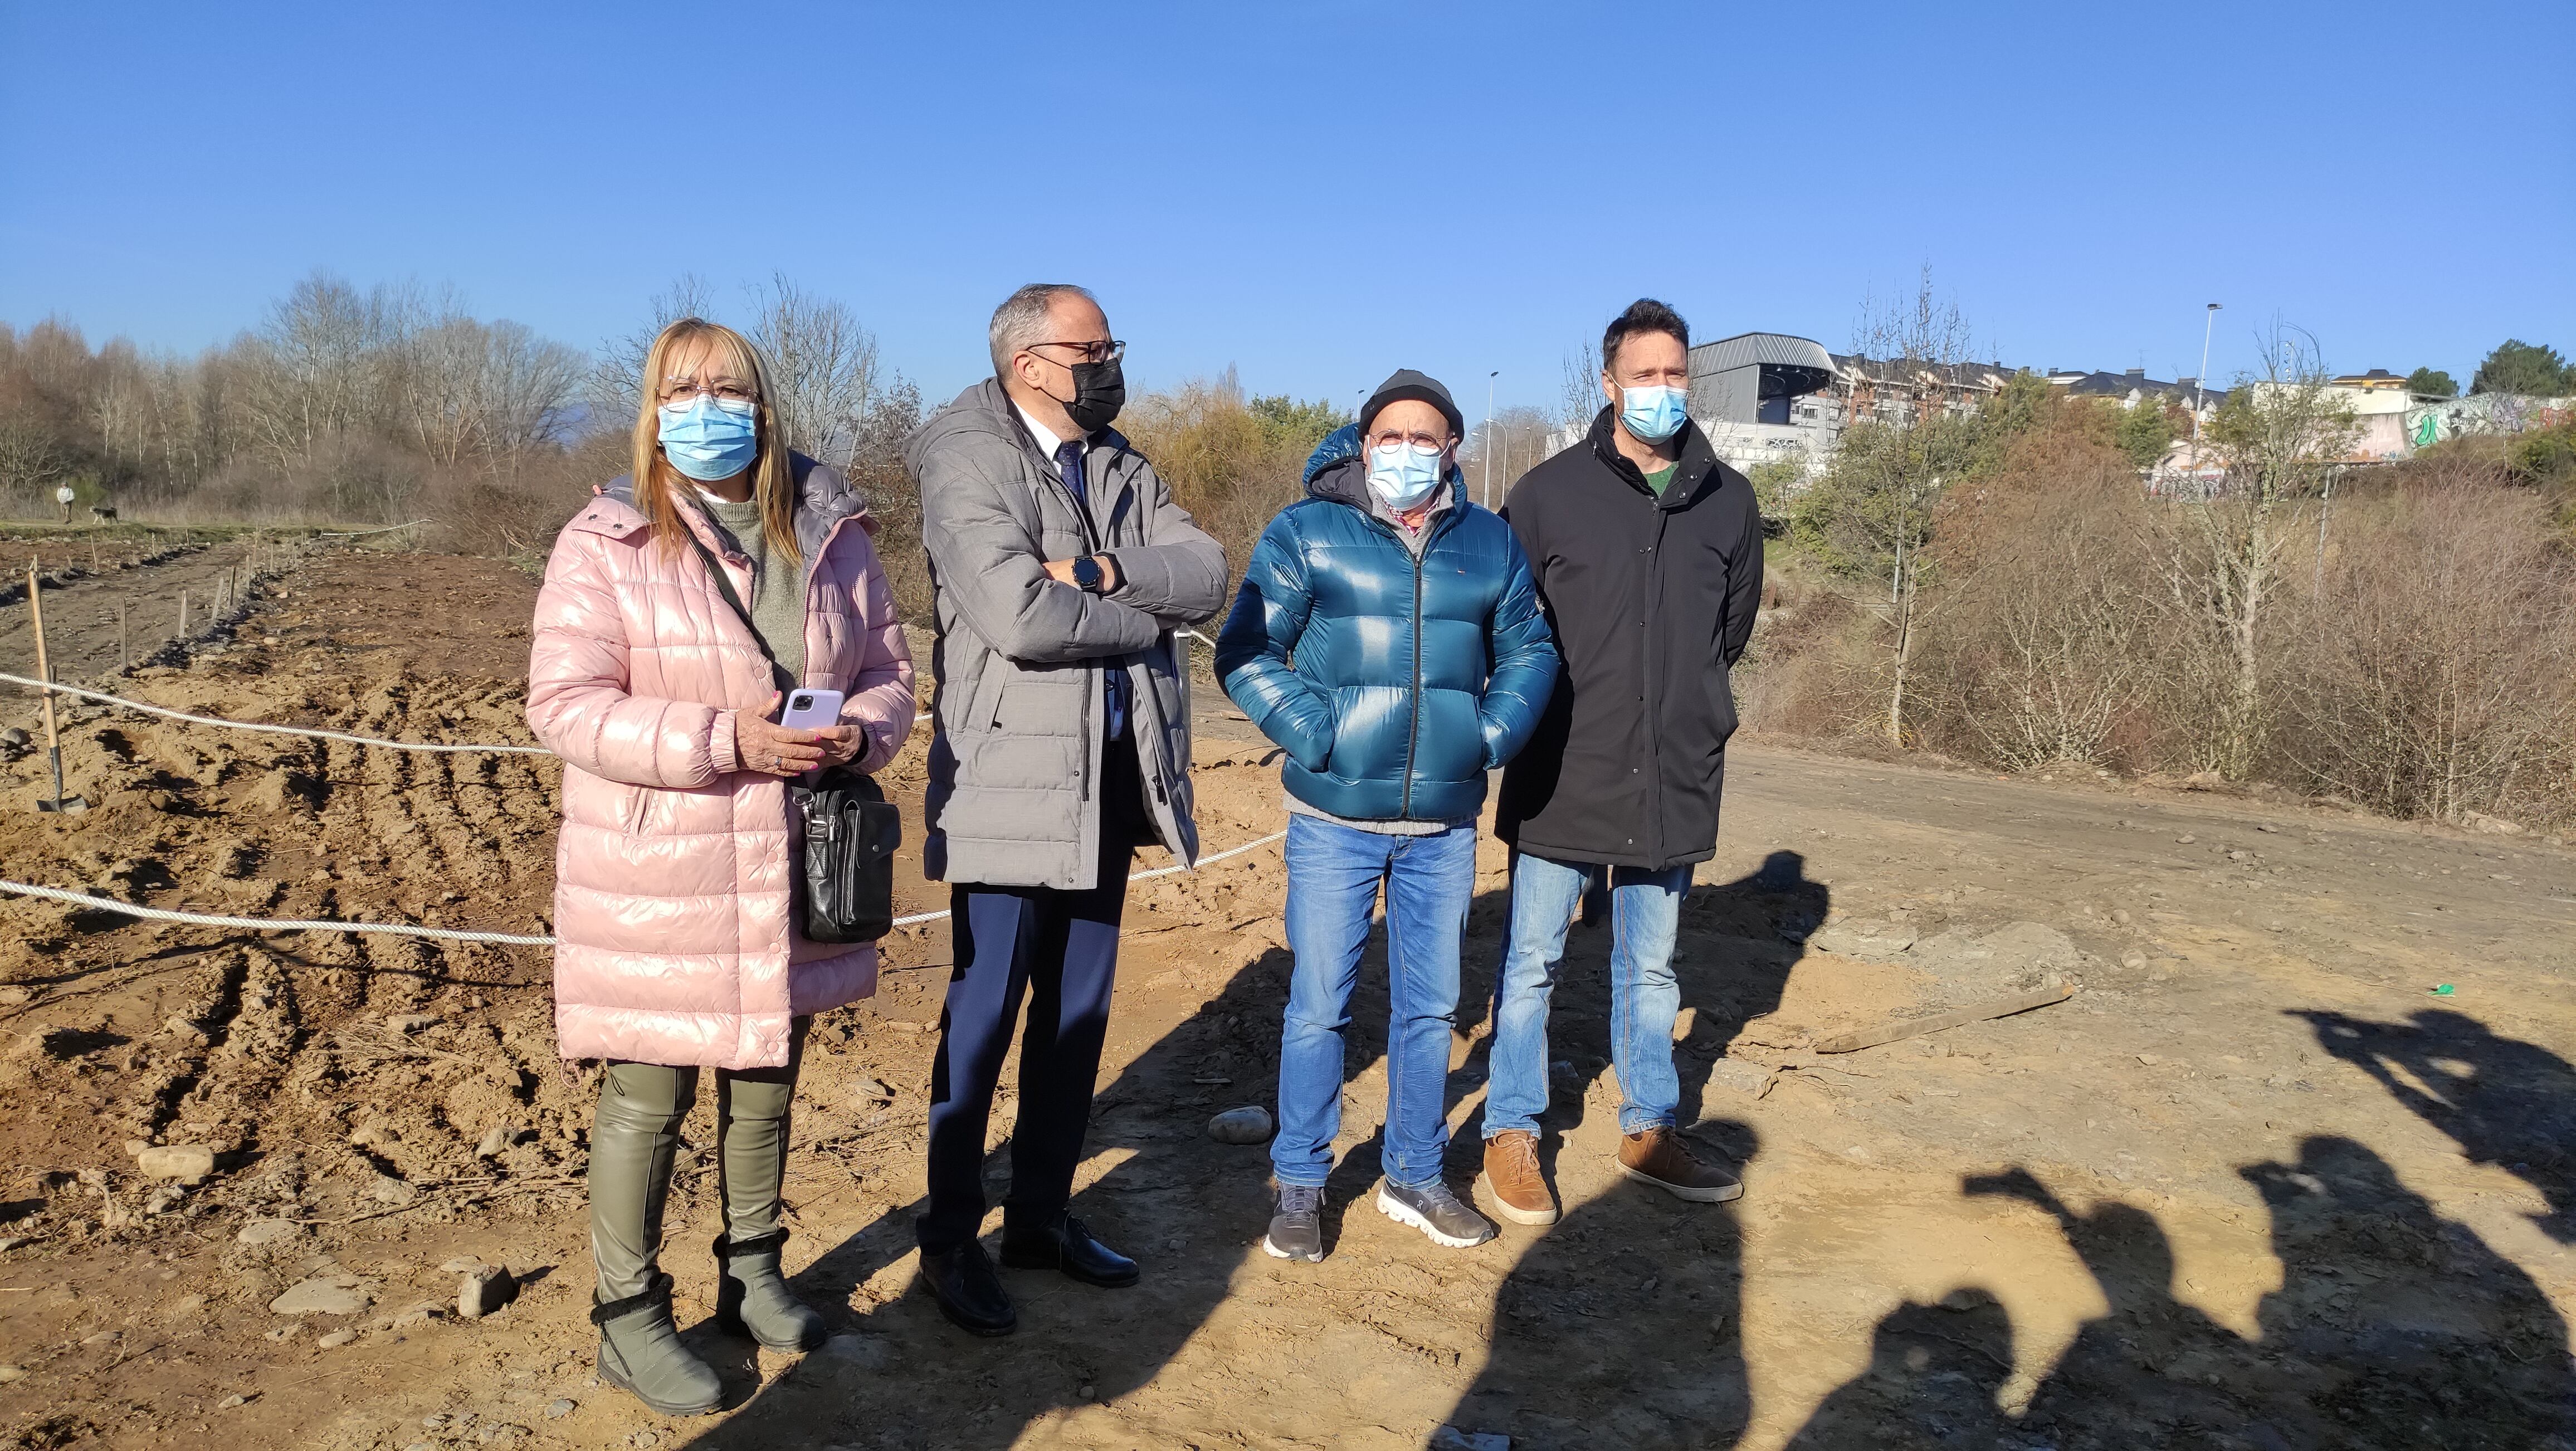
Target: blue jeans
[1645, 912]
[1333, 877]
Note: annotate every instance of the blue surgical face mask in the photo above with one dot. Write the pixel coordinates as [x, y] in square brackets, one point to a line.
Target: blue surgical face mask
[710, 440]
[1652, 415]
[1403, 476]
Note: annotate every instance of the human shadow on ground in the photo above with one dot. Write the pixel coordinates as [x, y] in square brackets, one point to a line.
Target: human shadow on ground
[1934, 1378]
[2393, 1328]
[898, 1375]
[1620, 1324]
[2504, 1101]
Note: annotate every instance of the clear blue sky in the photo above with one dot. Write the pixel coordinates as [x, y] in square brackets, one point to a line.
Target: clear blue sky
[1318, 193]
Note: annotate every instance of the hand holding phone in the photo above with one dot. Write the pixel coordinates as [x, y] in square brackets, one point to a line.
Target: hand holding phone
[810, 710]
[790, 749]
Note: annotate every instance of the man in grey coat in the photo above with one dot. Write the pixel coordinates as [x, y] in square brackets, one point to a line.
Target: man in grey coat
[1060, 568]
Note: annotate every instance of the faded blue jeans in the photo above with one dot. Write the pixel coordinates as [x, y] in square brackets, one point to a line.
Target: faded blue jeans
[1333, 877]
[1645, 913]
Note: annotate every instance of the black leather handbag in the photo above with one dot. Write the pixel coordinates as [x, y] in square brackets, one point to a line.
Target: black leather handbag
[843, 866]
[845, 879]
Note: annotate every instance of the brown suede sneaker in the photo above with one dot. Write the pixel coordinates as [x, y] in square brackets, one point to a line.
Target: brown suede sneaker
[1512, 1178]
[1659, 1157]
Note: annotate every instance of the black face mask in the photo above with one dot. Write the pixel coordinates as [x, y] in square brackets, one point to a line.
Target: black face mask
[1099, 391]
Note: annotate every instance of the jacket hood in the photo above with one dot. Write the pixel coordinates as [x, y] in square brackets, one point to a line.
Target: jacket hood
[983, 410]
[1337, 471]
[823, 499]
[1698, 459]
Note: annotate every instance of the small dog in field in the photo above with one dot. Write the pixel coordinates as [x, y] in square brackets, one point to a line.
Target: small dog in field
[102, 513]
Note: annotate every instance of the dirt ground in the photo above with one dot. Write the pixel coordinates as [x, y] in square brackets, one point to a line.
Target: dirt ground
[2255, 1184]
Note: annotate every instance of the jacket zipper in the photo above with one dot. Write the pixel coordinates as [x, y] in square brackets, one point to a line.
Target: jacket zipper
[1654, 820]
[1413, 737]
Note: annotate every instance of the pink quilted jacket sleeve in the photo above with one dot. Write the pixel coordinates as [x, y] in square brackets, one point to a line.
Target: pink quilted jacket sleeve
[579, 704]
[880, 699]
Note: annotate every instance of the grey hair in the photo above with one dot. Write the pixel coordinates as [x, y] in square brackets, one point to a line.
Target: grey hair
[1022, 318]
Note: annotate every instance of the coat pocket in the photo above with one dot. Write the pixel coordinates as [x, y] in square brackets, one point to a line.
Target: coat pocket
[635, 802]
[983, 696]
[1721, 704]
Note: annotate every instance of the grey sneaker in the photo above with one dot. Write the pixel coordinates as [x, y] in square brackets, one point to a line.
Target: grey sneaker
[1297, 1226]
[1436, 1212]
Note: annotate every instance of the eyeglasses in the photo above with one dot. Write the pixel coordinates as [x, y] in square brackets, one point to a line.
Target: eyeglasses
[1103, 352]
[723, 390]
[1419, 442]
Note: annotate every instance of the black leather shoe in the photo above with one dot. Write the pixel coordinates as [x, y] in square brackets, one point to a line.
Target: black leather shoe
[1065, 1245]
[968, 1292]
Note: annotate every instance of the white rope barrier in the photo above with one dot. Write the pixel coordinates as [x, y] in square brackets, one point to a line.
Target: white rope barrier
[342, 736]
[266, 924]
[279, 730]
[450, 934]
[445, 934]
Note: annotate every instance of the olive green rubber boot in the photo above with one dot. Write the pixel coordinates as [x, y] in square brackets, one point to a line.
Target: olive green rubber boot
[752, 1297]
[633, 1135]
[640, 1351]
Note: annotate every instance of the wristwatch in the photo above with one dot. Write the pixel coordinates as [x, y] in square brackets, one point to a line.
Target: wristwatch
[1087, 574]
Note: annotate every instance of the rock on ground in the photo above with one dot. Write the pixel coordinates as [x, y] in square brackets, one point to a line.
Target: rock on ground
[1249, 1124]
[323, 1295]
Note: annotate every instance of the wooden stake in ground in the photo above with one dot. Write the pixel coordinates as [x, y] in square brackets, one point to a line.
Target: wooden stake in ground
[45, 673]
[183, 614]
[124, 650]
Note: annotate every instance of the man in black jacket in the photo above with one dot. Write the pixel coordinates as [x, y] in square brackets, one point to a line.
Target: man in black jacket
[1648, 556]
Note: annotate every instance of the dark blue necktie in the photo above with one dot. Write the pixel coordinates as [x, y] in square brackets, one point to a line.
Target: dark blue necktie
[1068, 462]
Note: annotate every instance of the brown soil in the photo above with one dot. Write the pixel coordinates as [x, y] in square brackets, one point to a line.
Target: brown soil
[2251, 1186]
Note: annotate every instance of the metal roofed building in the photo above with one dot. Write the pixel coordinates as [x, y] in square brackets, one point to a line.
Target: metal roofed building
[1744, 392]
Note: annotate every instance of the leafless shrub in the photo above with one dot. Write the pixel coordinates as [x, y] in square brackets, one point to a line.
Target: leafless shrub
[2221, 558]
[1228, 465]
[2433, 671]
[2042, 651]
[1811, 669]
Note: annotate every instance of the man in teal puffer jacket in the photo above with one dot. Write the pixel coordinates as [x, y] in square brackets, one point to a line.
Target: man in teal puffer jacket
[1388, 635]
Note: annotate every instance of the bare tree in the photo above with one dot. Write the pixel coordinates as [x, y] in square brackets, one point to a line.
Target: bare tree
[1873, 509]
[525, 384]
[2281, 438]
[30, 456]
[616, 383]
[440, 378]
[324, 363]
[823, 367]
[1581, 400]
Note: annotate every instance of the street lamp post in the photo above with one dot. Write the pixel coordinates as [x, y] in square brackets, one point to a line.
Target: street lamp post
[2201, 382]
[1489, 436]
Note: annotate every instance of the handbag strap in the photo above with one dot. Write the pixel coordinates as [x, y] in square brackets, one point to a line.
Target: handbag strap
[724, 586]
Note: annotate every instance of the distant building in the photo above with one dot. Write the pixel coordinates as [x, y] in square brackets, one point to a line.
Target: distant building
[2133, 387]
[1748, 395]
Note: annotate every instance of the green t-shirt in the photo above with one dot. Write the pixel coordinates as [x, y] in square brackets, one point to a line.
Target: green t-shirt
[1662, 478]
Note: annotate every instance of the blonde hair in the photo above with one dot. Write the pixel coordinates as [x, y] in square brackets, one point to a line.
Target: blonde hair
[773, 480]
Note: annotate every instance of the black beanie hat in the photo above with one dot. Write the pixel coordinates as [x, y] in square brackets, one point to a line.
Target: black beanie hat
[1421, 387]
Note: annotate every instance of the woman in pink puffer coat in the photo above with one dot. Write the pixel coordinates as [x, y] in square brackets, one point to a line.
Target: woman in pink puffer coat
[655, 680]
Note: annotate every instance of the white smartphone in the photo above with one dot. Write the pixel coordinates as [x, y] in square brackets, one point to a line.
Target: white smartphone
[811, 710]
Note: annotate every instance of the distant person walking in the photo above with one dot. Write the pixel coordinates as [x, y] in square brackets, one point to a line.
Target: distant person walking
[676, 947]
[1060, 567]
[1648, 555]
[1387, 635]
